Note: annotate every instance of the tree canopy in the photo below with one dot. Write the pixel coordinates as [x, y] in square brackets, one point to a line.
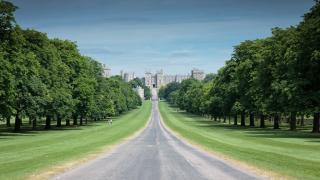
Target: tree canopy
[49, 78]
[276, 76]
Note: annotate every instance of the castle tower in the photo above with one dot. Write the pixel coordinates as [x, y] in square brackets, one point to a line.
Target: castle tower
[148, 79]
[159, 79]
[197, 74]
[106, 71]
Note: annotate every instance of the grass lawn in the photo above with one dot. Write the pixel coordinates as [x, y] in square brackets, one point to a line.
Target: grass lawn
[293, 154]
[22, 154]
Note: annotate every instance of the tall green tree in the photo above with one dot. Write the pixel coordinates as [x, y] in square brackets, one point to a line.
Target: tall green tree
[7, 20]
[308, 63]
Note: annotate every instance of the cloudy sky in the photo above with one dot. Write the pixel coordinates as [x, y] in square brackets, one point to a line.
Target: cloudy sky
[148, 35]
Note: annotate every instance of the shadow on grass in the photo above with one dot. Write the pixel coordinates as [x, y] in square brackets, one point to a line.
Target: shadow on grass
[6, 132]
[314, 141]
[27, 130]
[268, 132]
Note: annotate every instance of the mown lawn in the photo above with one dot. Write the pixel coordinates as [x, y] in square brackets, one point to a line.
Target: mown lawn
[293, 154]
[29, 152]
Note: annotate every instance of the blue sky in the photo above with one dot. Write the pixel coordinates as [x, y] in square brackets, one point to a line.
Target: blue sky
[148, 35]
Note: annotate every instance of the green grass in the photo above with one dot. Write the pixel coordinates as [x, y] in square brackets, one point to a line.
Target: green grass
[293, 154]
[22, 154]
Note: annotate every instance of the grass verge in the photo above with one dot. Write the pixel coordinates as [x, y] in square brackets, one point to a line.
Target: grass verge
[292, 154]
[32, 152]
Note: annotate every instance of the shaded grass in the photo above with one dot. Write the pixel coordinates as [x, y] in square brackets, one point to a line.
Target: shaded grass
[295, 154]
[24, 153]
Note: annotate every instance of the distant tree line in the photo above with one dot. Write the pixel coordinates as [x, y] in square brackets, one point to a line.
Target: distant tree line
[42, 78]
[276, 76]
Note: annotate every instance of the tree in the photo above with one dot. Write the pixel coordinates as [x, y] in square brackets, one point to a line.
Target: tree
[308, 63]
[7, 24]
[246, 56]
[169, 88]
[84, 90]
[228, 89]
[173, 98]
[25, 70]
[6, 80]
[275, 76]
[209, 77]
[147, 92]
[7, 20]
[42, 77]
[137, 82]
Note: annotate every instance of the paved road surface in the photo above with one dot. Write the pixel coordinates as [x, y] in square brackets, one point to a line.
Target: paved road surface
[156, 154]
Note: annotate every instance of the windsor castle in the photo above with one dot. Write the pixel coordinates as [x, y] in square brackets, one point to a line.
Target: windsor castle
[159, 79]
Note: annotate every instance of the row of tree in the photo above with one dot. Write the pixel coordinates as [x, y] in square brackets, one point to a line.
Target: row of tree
[275, 76]
[50, 79]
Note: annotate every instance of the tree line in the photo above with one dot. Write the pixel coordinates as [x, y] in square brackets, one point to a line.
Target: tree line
[42, 78]
[275, 76]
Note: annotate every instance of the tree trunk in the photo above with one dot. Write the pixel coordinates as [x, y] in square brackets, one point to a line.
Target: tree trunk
[86, 120]
[224, 119]
[236, 119]
[276, 122]
[75, 120]
[251, 119]
[17, 123]
[59, 119]
[302, 120]
[229, 119]
[34, 123]
[262, 124]
[81, 120]
[316, 122]
[293, 121]
[243, 119]
[215, 118]
[68, 122]
[8, 118]
[48, 122]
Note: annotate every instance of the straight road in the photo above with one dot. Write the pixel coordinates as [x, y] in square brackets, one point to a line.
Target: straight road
[156, 154]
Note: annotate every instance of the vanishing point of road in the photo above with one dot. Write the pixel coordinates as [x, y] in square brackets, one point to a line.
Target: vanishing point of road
[156, 154]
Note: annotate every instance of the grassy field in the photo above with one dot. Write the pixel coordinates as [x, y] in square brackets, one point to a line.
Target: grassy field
[293, 154]
[22, 154]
